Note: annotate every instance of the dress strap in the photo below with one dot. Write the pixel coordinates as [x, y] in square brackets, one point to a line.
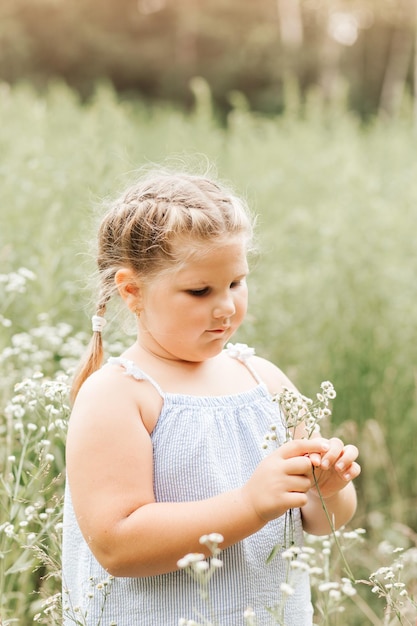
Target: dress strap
[131, 369]
[242, 353]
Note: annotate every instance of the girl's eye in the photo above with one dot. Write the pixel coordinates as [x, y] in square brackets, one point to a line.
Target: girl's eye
[198, 292]
[236, 283]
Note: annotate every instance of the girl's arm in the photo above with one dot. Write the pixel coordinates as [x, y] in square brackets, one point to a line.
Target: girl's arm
[110, 475]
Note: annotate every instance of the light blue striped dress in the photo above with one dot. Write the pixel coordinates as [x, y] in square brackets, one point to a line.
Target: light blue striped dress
[202, 446]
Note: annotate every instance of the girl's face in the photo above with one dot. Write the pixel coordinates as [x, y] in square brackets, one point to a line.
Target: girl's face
[191, 313]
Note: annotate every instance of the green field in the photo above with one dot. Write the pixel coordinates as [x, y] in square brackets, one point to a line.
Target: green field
[332, 296]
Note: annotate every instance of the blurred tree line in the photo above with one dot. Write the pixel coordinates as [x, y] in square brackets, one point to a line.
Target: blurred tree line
[155, 47]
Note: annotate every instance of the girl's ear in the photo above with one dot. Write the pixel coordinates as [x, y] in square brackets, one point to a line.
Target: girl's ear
[129, 288]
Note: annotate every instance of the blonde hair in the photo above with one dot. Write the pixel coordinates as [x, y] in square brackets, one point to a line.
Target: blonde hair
[144, 230]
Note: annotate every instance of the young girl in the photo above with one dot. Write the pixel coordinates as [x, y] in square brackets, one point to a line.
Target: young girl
[165, 441]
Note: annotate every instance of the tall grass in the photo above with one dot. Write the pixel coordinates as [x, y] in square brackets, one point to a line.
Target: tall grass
[332, 294]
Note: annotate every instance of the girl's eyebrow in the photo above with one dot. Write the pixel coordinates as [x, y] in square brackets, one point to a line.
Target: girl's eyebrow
[200, 282]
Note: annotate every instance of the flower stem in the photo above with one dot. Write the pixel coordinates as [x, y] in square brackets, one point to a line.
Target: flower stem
[333, 531]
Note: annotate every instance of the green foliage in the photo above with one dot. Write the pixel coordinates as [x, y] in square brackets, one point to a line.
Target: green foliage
[332, 294]
[154, 47]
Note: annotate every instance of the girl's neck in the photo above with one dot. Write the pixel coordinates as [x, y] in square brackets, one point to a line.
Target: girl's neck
[143, 353]
[219, 375]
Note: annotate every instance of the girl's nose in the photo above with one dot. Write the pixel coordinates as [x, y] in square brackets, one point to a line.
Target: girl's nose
[224, 307]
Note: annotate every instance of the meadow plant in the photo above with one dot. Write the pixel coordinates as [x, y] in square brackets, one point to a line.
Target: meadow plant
[36, 365]
[75, 614]
[33, 421]
[392, 584]
[202, 569]
[33, 429]
[315, 557]
[332, 592]
[12, 284]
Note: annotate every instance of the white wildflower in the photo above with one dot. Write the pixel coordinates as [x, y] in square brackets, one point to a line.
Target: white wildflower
[200, 566]
[299, 565]
[189, 559]
[286, 589]
[211, 538]
[335, 594]
[327, 586]
[9, 530]
[347, 587]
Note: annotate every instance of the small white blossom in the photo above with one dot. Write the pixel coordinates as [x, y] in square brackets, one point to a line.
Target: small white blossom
[211, 538]
[335, 594]
[286, 589]
[201, 566]
[8, 530]
[189, 559]
[327, 586]
[347, 587]
[300, 565]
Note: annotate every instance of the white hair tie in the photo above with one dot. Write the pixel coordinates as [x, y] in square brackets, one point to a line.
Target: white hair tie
[98, 323]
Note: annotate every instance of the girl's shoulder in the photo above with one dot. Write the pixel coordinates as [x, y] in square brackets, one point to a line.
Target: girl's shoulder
[114, 385]
[110, 392]
[266, 371]
[101, 391]
[109, 376]
[270, 374]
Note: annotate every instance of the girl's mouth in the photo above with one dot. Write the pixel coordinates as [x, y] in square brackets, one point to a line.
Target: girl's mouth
[219, 331]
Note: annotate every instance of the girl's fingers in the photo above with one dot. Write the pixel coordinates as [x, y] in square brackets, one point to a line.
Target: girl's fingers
[349, 454]
[350, 472]
[304, 447]
[343, 459]
[326, 454]
[334, 453]
[347, 466]
[315, 459]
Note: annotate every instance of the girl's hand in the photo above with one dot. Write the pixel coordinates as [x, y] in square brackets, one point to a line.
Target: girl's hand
[336, 467]
[281, 480]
